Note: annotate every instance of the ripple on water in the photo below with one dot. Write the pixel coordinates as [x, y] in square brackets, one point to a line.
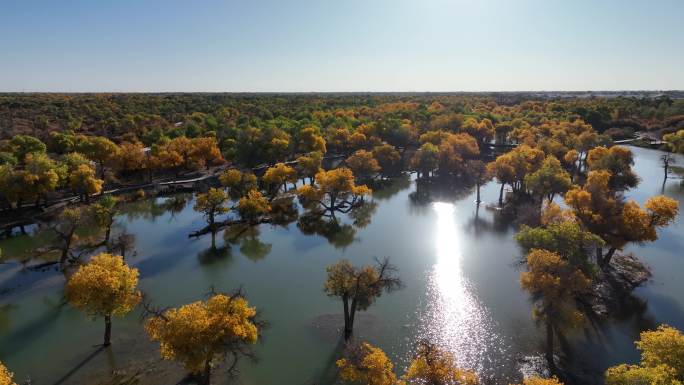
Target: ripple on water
[454, 318]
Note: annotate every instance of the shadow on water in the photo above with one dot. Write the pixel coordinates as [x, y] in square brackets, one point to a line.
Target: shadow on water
[33, 329]
[85, 361]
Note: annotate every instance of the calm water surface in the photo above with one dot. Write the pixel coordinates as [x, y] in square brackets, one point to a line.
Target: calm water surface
[458, 265]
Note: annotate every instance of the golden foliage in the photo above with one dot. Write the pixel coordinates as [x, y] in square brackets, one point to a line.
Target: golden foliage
[5, 376]
[553, 282]
[104, 286]
[541, 381]
[363, 164]
[254, 205]
[280, 174]
[635, 374]
[197, 333]
[83, 180]
[370, 366]
[433, 365]
[662, 360]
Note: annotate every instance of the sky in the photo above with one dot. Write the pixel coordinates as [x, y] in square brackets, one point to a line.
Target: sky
[340, 45]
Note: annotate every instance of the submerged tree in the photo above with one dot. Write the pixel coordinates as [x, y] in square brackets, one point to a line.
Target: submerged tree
[604, 213]
[238, 183]
[103, 212]
[335, 190]
[478, 171]
[662, 360]
[65, 228]
[309, 165]
[618, 161]
[425, 160]
[211, 204]
[201, 333]
[359, 287]
[253, 206]
[436, 366]
[362, 164]
[550, 179]
[279, 175]
[553, 284]
[366, 364]
[104, 287]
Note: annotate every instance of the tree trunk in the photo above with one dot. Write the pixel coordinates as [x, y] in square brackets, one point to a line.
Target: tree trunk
[108, 330]
[501, 191]
[352, 314]
[605, 261]
[347, 323]
[205, 377]
[478, 194]
[549, 347]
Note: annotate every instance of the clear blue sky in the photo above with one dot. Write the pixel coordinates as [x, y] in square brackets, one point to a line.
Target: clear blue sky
[341, 45]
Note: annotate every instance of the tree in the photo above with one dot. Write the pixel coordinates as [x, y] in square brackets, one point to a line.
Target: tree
[103, 212]
[310, 165]
[104, 287]
[566, 238]
[335, 190]
[23, 145]
[362, 164]
[40, 175]
[238, 183]
[662, 360]
[203, 332]
[311, 141]
[425, 160]
[388, 158]
[65, 228]
[366, 364]
[675, 141]
[618, 161]
[478, 171]
[83, 181]
[605, 214]
[131, 157]
[667, 160]
[205, 152]
[212, 203]
[279, 175]
[98, 149]
[454, 151]
[436, 366]
[359, 287]
[550, 179]
[553, 284]
[6, 376]
[253, 206]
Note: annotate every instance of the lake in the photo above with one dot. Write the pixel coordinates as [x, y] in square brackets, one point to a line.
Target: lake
[459, 265]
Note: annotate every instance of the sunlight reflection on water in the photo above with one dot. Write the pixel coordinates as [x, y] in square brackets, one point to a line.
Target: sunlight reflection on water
[454, 318]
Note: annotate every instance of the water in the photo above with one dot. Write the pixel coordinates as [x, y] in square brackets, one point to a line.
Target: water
[458, 264]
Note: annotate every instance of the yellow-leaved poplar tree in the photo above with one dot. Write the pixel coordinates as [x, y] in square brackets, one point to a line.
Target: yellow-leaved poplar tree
[104, 287]
[199, 333]
[366, 364]
[434, 365]
[662, 360]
